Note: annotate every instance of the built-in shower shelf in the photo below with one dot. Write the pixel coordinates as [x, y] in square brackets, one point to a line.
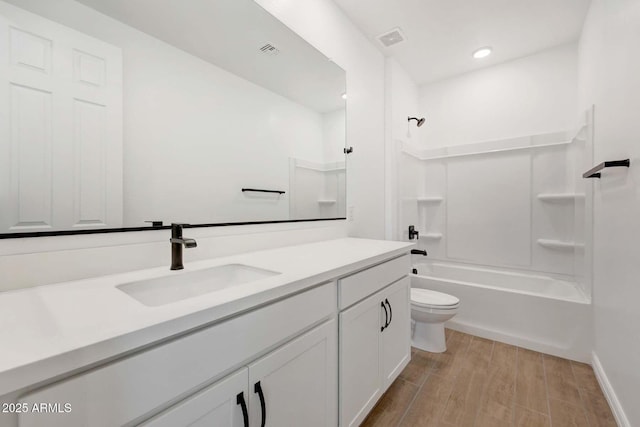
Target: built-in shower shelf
[530, 142]
[559, 197]
[327, 202]
[431, 236]
[558, 244]
[430, 199]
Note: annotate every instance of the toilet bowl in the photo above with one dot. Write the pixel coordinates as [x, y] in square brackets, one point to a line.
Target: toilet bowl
[429, 311]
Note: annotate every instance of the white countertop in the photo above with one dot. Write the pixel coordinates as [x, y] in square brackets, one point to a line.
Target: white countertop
[51, 330]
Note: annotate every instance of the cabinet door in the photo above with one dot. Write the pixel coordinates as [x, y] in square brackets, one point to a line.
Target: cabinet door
[218, 405]
[360, 364]
[396, 337]
[296, 384]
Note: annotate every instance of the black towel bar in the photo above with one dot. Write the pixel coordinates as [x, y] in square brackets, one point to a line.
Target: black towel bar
[262, 191]
[595, 171]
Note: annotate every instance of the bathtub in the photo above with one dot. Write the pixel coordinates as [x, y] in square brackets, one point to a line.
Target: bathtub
[534, 311]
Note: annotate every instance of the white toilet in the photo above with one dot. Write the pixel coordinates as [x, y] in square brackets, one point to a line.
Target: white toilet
[429, 311]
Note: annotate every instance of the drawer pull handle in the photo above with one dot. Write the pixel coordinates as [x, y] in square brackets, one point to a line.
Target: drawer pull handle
[390, 313]
[243, 404]
[386, 316]
[263, 406]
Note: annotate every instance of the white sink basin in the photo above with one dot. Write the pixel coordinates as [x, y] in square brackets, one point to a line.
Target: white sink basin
[167, 289]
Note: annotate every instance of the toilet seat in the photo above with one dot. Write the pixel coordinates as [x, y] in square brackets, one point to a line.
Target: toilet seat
[432, 299]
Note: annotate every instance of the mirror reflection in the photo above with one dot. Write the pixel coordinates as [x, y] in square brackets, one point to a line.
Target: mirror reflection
[202, 112]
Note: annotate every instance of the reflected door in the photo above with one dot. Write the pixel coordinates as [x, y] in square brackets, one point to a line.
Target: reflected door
[60, 126]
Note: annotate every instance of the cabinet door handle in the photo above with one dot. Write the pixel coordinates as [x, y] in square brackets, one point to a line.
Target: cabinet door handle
[257, 388]
[243, 404]
[390, 313]
[386, 316]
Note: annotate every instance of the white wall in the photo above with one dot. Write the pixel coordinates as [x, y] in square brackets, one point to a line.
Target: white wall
[189, 121]
[532, 95]
[324, 25]
[334, 125]
[401, 101]
[609, 78]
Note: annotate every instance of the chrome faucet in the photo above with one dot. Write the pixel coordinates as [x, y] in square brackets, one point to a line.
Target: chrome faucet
[177, 242]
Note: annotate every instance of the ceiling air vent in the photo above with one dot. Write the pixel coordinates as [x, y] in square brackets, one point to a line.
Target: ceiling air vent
[391, 37]
[269, 49]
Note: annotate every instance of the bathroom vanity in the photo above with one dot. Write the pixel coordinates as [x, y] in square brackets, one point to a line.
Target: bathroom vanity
[319, 339]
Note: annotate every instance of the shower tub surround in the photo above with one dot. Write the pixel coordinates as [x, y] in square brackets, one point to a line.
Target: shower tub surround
[506, 224]
[516, 203]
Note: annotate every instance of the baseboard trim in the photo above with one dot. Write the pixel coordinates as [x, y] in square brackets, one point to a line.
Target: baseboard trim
[609, 393]
[491, 334]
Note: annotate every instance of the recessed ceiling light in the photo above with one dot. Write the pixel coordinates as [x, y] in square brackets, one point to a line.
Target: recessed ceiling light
[483, 52]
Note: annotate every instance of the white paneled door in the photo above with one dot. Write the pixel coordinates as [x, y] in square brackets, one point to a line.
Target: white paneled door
[60, 126]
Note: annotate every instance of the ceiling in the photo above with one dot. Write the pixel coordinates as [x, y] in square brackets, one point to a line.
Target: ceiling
[441, 35]
[229, 34]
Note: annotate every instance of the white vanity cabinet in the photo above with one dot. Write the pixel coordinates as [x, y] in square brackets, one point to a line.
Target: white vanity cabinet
[319, 351]
[374, 336]
[298, 381]
[132, 389]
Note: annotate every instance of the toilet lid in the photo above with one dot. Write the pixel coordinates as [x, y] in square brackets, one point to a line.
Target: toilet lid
[427, 298]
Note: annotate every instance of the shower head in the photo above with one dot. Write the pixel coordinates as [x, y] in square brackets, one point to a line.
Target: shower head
[419, 120]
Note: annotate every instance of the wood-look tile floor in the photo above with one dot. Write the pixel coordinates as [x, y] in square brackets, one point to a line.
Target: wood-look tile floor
[482, 383]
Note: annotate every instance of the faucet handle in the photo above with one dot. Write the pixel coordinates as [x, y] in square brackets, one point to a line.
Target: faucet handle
[178, 226]
[176, 230]
[413, 233]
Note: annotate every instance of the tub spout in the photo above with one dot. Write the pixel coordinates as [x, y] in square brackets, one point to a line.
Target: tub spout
[418, 252]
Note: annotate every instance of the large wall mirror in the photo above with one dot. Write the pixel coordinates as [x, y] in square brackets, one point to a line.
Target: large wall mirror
[118, 112]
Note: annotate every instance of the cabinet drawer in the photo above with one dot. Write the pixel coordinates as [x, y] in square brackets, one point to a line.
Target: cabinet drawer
[124, 391]
[356, 287]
